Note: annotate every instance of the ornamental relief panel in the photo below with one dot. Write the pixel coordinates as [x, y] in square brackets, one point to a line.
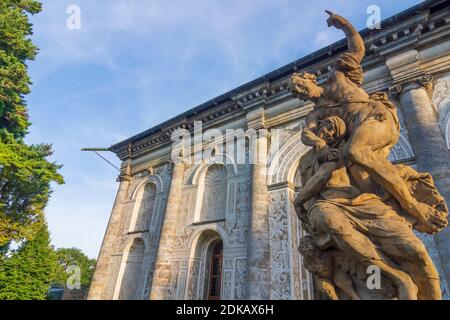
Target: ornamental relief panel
[112, 272]
[185, 205]
[215, 193]
[240, 278]
[237, 224]
[227, 285]
[202, 273]
[441, 103]
[279, 245]
[173, 276]
[231, 220]
[149, 280]
[302, 278]
[132, 271]
[146, 206]
[192, 282]
[125, 213]
[243, 197]
[223, 196]
[188, 173]
[288, 131]
[182, 232]
[135, 182]
[164, 171]
[181, 284]
[149, 219]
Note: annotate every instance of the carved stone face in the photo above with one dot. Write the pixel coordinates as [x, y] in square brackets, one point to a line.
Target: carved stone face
[304, 86]
[327, 131]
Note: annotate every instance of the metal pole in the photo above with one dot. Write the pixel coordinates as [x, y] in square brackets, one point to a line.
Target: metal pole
[95, 150]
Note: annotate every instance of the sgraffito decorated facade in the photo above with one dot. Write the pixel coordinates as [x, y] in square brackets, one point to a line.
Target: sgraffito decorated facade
[224, 228]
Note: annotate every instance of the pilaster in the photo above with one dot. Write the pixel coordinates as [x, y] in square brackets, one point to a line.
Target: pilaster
[426, 138]
[100, 279]
[258, 254]
[162, 275]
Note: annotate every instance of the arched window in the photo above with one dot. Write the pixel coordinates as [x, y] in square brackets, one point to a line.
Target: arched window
[215, 272]
[215, 193]
[145, 210]
[205, 267]
[132, 271]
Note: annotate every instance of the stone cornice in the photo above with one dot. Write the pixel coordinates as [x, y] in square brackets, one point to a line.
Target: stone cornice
[253, 97]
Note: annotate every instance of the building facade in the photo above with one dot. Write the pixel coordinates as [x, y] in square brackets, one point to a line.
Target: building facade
[225, 227]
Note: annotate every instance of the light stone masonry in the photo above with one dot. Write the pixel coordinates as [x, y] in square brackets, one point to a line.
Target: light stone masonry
[169, 217]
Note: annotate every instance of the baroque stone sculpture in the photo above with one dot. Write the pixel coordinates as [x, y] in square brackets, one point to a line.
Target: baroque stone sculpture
[358, 209]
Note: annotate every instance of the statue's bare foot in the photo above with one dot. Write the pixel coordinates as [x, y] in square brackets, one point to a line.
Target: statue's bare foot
[432, 220]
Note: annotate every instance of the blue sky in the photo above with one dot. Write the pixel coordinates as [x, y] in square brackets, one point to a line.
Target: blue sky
[136, 63]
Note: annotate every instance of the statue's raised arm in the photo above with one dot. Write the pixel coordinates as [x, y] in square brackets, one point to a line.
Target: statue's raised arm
[354, 41]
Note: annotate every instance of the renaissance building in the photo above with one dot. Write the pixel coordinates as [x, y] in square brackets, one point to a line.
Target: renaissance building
[224, 226]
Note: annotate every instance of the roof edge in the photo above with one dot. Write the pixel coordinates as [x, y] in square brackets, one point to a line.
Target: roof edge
[276, 74]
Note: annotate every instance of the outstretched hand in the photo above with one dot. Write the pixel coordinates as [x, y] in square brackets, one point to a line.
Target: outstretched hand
[335, 20]
[431, 220]
[329, 155]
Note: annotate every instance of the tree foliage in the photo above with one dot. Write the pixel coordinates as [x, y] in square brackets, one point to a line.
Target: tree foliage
[25, 173]
[28, 272]
[15, 49]
[74, 257]
[25, 177]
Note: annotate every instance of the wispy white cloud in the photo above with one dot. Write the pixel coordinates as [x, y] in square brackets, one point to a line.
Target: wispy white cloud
[135, 63]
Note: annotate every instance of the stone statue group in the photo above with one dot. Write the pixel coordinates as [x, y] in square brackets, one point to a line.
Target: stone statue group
[358, 209]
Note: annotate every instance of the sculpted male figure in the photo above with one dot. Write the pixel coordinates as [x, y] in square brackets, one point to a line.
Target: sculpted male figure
[372, 126]
[361, 226]
[356, 205]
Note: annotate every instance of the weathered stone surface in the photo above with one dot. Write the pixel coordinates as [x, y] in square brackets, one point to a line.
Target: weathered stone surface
[358, 208]
[250, 210]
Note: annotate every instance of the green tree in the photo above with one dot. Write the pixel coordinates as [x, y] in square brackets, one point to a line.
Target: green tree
[25, 172]
[15, 49]
[25, 177]
[29, 271]
[74, 257]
